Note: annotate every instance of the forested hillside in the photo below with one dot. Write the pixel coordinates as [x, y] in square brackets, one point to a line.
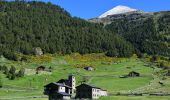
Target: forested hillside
[148, 32]
[26, 25]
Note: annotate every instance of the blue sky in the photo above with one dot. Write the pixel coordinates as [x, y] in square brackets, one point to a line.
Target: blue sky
[93, 8]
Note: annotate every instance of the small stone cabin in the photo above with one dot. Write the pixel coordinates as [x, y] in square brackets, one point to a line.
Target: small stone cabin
[85, 91]
[133, 74]
[88, 68]
[40, 68]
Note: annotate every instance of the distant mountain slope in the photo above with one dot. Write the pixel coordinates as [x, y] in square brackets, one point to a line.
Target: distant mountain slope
[118, 10]
[148, 32]
[25, 25]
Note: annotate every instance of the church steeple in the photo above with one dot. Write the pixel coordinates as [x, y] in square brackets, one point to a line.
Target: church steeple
[72, 82]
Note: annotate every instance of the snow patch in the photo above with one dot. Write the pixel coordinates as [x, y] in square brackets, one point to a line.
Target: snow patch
[118, 10]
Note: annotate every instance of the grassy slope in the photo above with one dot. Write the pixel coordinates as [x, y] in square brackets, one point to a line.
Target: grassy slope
[124, 98]
[106, 74]
[135, 98]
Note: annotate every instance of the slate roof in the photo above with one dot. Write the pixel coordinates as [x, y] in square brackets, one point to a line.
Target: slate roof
[57, 84]
[62, 81]
[92, 86]
[134, 72]
[64, 94]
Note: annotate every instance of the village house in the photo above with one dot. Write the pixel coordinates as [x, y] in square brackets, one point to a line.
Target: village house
[85, 91]
[57, 91]
[89, 68]
[61, 90]
[40, 68]
[133, 74]
[71, 81]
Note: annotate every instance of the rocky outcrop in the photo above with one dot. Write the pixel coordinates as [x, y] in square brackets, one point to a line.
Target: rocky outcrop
[38, 51]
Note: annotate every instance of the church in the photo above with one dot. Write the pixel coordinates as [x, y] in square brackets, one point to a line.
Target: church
[61, 90]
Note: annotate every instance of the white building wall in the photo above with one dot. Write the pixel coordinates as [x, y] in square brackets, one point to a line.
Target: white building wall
[61, 89]
[95, 93]
[66, 97]
[103, 93]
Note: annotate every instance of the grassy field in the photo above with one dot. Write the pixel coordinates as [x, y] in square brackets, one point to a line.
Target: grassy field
[135, 98]
[123, 98]
[106, 75]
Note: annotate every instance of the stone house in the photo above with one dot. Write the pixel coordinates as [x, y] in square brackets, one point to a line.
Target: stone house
[57, 91]
[40, 68]
[71, 81]
[133, 74]
[85, 91]
[62, 96]
[89, 68]
[61, 90]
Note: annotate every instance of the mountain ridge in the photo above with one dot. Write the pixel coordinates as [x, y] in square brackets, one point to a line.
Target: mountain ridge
[120, 9]
[148, 32]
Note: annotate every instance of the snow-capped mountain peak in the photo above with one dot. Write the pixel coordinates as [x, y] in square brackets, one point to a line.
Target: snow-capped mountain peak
[118, 10]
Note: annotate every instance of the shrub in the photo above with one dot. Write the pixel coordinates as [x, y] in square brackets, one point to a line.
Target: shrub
[154, 58]
[21, 72]
[140, 55]
[1, 68]
[10, 55]
[112, 53]
[12, 74]
[1, 84]
[5, 70]
[163, 65]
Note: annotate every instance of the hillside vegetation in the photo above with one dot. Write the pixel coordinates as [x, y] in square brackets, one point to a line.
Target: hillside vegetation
[106, 74]
[147, 32]
[26, 25]
[70, 44]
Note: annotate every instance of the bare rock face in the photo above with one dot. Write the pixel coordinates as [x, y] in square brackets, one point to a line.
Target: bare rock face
[38, 51]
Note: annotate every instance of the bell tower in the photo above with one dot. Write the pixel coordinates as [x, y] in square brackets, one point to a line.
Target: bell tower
[72, 82]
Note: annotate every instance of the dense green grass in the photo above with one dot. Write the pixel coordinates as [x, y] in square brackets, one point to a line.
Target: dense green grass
[106, 74]
[118, 84]
[122, 98]
[135, 98]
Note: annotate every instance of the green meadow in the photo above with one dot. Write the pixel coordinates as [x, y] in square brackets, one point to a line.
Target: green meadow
[135, 98]
[106, 74]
